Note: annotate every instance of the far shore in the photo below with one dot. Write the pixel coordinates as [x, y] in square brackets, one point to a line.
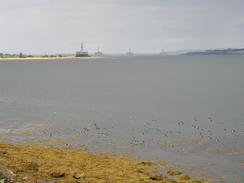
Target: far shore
[37, 58]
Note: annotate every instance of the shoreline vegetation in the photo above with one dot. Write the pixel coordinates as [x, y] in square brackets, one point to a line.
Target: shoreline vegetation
[40, 164]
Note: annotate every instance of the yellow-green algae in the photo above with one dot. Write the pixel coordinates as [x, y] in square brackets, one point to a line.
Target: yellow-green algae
[34, 163]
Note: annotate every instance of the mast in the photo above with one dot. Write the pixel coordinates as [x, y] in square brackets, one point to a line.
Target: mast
[82, 47]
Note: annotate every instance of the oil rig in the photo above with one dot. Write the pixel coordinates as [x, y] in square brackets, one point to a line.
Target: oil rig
[82, 53]
[98, 53]
[129, 53]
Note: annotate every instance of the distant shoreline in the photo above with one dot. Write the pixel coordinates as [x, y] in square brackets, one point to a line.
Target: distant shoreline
[50, 58]
[230, 51]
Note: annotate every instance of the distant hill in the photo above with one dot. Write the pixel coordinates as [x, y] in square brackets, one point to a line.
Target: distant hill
[229, 51]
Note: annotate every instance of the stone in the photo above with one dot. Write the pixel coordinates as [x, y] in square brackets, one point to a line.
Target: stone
[25, 178]
[78, 175]
[58, 174]
[3, 153]
[33, 165]
[6, 175]
[146, 163]
[157, 177]
[174, 173]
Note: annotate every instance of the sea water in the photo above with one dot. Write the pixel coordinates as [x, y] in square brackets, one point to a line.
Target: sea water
[187, 110]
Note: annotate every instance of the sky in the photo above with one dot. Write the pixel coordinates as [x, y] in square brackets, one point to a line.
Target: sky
[145, 26]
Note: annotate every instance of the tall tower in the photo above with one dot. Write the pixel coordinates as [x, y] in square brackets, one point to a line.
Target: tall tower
[82, 52]
[82, 47]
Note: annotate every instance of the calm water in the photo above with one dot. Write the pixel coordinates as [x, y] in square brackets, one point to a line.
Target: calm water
[188, 110]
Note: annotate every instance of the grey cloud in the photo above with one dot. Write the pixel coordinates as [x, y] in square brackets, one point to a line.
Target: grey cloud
[115, 25]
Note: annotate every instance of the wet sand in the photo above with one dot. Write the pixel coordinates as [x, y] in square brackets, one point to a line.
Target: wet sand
[30, 164]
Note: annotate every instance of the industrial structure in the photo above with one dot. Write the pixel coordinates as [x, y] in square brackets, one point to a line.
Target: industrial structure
[82, 52]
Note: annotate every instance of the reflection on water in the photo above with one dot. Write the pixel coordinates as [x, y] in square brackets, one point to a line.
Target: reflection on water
[187, 110]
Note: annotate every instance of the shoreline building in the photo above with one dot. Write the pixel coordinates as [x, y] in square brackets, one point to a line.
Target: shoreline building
[129, 53]
[82, 52]
[163, 52]
[98, 53]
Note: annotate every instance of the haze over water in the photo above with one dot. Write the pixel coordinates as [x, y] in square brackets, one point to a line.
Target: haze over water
[187, 110]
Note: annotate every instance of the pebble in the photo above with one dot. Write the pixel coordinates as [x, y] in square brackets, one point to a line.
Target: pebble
[157, 177]
[6, 175]
[3, 152]
[58, 174]
[174, 173]
[25, 178]
[78, 175]
[34, 165]
[146, 163]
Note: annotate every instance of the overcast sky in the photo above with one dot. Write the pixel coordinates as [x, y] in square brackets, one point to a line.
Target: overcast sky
[58, 26]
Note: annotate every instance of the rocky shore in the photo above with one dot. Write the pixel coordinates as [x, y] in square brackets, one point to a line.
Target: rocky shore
[35, 164]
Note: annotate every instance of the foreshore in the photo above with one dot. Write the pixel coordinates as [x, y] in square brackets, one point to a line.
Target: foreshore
[39, 164]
